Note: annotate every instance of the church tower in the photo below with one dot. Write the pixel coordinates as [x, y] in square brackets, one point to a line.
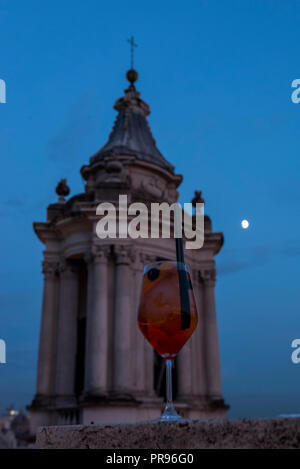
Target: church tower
[94, 365]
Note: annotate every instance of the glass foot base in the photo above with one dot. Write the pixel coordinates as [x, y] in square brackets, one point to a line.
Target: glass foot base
[170, 415]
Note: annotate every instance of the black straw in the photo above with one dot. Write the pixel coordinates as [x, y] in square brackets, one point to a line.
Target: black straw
[183, 287]
[179, 250]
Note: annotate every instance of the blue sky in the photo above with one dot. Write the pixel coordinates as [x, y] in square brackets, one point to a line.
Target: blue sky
[217, 75]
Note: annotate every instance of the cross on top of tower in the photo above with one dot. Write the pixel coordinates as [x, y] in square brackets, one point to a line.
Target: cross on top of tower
[132, 46]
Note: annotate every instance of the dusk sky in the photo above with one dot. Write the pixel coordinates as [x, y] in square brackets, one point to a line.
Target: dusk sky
[217, 76]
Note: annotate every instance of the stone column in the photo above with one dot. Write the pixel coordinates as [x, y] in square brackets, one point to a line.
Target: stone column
[123, 322]
[97, 338]
[208, 277]
[67, 330]
[184, 372]
[198, 344]
[46, 357]
[190, 361]
[144, 352]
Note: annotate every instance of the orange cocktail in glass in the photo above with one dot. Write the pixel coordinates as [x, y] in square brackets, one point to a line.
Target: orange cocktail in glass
[167, 314]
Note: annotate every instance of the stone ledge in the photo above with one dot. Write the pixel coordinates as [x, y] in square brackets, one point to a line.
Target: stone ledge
[192, 434]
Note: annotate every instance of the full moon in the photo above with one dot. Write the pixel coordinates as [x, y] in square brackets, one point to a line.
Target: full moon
[245, 224]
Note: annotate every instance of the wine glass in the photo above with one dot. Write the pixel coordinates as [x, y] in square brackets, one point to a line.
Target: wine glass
[167, 316]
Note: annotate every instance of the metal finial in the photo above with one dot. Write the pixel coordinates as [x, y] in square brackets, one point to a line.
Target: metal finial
[62, 190]
[132, 45]
[198, 199]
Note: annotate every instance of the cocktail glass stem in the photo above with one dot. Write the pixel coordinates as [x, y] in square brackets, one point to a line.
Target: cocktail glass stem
[169, 414]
